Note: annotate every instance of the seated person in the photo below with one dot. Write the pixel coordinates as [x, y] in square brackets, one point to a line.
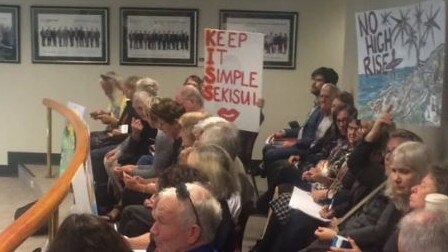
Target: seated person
[136, 144]
[164, 114]
[424, 230]
[291, 171]
[85, 232]
[136, 220]
[111, 85]
[142, 136]
[217, 165]
[420, 230]
[114, 135]
[319, 77]
[186, 219]
[315, 128]
[408, 165]
[225, 134]
[328, 184]
[436, 181]
[187, 122]
[292, 229]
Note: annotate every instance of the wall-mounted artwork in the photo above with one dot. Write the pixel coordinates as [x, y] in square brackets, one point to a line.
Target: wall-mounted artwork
[9, 34]
[279, 29]
[70, 35]
[401, 56]
[166, 37]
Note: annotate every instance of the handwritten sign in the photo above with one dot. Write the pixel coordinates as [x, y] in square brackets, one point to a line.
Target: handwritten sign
[233, 76]
[401, 62]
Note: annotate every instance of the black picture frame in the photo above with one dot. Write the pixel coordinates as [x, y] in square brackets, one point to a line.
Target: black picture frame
[158, 36]
[70, 35]
[9, 34]
[280, 29]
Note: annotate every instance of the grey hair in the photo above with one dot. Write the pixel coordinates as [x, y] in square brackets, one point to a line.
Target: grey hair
[192, 94]
[334, 90]
[207, 207]
[424, 230]
[146, 98]
[223, 134]
[417, 157]
[215, 162]
[131, 81]
[201, 125]
[148, 85]
[414, 155]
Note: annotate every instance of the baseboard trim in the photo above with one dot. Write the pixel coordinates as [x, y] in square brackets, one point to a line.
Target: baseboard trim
[16, 158]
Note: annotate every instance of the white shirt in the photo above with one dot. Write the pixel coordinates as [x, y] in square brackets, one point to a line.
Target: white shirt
[324, 125]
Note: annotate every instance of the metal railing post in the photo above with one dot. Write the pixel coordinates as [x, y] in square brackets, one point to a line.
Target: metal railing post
[49, 147]
[53, 224]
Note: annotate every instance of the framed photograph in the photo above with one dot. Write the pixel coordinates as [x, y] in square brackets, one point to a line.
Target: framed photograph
[9, 34]
[70, 35]
[166, 37]
[279, 29]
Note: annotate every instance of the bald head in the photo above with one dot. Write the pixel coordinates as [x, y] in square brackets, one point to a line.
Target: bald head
[186, 217]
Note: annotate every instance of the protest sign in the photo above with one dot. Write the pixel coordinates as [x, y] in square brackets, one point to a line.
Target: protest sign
[233, 76]
[401, 56]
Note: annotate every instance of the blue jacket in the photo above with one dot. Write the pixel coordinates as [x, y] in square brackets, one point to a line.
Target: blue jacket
[309, 129]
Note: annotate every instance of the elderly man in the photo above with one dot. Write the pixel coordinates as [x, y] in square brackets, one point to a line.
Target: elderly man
[424, 230]
[315, 127]
[186, 219]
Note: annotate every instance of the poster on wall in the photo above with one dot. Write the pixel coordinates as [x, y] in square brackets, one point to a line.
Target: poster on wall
[9, 34]
[233, 76]
[165, 37]
[70, 35]
[401, 62]
[279, 29]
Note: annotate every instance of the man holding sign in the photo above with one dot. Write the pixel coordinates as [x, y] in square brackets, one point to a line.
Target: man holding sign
[233, 76]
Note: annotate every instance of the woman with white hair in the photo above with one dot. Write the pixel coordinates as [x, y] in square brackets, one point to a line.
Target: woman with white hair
[374, 223]
[217, 165]
[435, 182]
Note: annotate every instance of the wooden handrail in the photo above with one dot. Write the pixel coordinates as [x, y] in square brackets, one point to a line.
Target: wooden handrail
[38, 214]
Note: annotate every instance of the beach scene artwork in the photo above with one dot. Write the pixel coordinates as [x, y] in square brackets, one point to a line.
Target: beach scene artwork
[401, 62]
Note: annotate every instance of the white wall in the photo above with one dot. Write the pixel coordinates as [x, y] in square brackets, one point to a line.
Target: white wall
[320, 42]
[435, 138]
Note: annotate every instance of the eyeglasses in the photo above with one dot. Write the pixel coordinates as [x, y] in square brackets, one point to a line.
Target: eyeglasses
[183, 193]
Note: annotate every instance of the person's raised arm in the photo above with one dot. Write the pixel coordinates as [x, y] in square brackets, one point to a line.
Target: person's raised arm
[384, 119]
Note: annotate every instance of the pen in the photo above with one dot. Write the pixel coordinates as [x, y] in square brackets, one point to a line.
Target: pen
[331, 204]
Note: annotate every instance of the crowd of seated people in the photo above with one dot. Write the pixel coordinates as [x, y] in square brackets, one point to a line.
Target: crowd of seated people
[175, 179]
[164, 135]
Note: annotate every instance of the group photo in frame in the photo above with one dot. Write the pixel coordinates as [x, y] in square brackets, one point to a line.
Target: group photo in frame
[9, 34]
[166, 37]
[74, 35]
[279, 29]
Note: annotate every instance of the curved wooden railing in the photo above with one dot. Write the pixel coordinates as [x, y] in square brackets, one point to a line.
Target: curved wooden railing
[30, 221]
